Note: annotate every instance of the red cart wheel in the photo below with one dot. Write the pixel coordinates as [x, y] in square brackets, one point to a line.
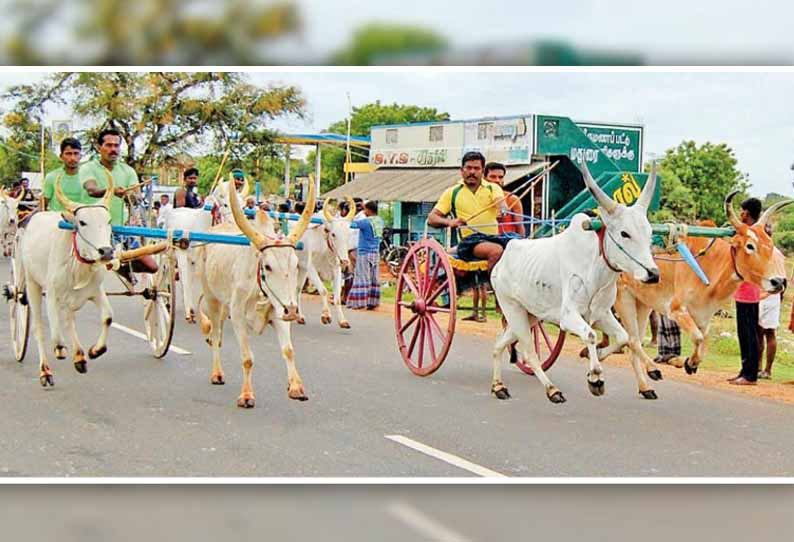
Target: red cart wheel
[424, 309]
[547, 340]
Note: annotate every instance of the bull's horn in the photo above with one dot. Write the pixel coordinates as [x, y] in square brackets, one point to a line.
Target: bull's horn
[770, 212]
[256, 238]
[306, 215]
[646, 197]
[21, 194]
[65, 202]
[351, 203]
[246, 188]
[730, 212]
[108, 198]
[600, 196]
[127, 255]
[327, 209]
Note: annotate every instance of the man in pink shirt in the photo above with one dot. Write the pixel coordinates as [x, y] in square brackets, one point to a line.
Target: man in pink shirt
[747, 298]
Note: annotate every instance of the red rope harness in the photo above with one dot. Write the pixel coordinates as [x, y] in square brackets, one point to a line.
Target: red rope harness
[601, 233]
[77, 252]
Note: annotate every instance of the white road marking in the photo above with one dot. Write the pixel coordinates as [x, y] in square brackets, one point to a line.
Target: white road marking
[134, 333]
[446, 457]
[424, 524]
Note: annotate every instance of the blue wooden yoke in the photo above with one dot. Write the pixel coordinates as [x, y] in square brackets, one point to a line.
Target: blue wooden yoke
[250, 213]
[158, 233]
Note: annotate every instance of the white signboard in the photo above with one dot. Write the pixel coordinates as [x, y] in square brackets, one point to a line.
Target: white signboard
[505, 140]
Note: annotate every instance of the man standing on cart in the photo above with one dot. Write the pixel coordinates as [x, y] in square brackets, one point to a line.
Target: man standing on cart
[473, 205]
[93, 177]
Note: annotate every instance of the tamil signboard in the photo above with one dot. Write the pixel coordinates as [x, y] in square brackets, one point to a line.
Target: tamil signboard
[417, 157]
[620, 143]
[604, 147]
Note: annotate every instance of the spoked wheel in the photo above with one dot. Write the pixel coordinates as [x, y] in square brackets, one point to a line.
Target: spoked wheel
[547, 339]
[424, 309]
[18, 315]
[160, 306]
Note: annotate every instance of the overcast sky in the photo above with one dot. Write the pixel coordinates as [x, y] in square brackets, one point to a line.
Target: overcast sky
[751, 112]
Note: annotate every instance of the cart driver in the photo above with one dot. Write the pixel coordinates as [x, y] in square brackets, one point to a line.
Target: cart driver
[94, 180]
[476, 203]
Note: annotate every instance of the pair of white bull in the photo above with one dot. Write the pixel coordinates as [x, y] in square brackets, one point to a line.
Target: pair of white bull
[323, 258]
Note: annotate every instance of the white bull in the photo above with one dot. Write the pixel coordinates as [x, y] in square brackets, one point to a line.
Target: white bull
[70, 267]
[570, 280]
[9, 207]
[194, 220]
[256, 286]
[324, 257]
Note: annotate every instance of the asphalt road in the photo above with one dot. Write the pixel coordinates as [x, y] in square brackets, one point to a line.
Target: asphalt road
[133, 415]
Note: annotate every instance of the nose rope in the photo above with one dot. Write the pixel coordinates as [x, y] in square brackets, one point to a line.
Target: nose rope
[620, 247]
[261, 276]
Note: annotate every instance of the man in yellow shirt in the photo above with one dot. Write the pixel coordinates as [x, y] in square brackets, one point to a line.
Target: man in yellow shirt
[473, 205]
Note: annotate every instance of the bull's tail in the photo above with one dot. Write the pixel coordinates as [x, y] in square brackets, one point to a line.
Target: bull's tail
[204, 321]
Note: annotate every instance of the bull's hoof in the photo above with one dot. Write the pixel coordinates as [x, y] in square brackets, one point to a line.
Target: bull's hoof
[297, 394]
[656, 374]
[344, 324]
[676, 362]
[556, 397]
[596, 388]
[81, 367]
[47, 380]
[301, 320]
[690, 370]
[500, 391]
[94, 352]
[60, 352]
[649, 394]
[325, 319]
[246, 402]
[217, 380]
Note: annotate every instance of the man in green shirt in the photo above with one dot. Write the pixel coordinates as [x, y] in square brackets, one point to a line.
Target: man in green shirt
[93, 177]
[71, 151]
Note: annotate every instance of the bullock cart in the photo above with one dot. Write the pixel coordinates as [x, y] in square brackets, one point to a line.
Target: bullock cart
[431, 278]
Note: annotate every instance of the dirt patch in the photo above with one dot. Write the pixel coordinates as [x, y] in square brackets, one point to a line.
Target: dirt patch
[777, 391]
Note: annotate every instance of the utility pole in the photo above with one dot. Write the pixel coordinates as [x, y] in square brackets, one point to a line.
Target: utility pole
[347, 153]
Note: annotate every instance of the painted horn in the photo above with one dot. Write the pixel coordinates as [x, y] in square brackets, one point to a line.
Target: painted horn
[646, 197]
[306, 215]
[327, 210]
[770, 212]
[256, 238]
[65, 202]
[600, 196]
[108, 197]
[730, 212]
[351, 205]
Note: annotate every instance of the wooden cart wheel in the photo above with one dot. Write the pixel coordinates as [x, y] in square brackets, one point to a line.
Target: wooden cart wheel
[159, 310]
[18, 315]
[547, 340]
[424, 309]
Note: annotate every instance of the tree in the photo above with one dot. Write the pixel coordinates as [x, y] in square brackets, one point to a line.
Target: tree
[677, 202]
[163, 32]
[162, 113]
[708, 172]
[362, 120]
[376, 43]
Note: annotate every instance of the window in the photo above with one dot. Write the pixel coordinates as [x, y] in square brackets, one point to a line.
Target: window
[391, 136]
[484, 129]
[436, 133]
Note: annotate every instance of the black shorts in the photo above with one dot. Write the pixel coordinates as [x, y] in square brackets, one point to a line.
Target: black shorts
[466, 246]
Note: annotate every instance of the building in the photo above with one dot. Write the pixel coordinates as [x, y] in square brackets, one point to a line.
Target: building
[417, 162]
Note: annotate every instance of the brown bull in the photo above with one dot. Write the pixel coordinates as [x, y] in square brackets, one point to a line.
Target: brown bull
[681, 296]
